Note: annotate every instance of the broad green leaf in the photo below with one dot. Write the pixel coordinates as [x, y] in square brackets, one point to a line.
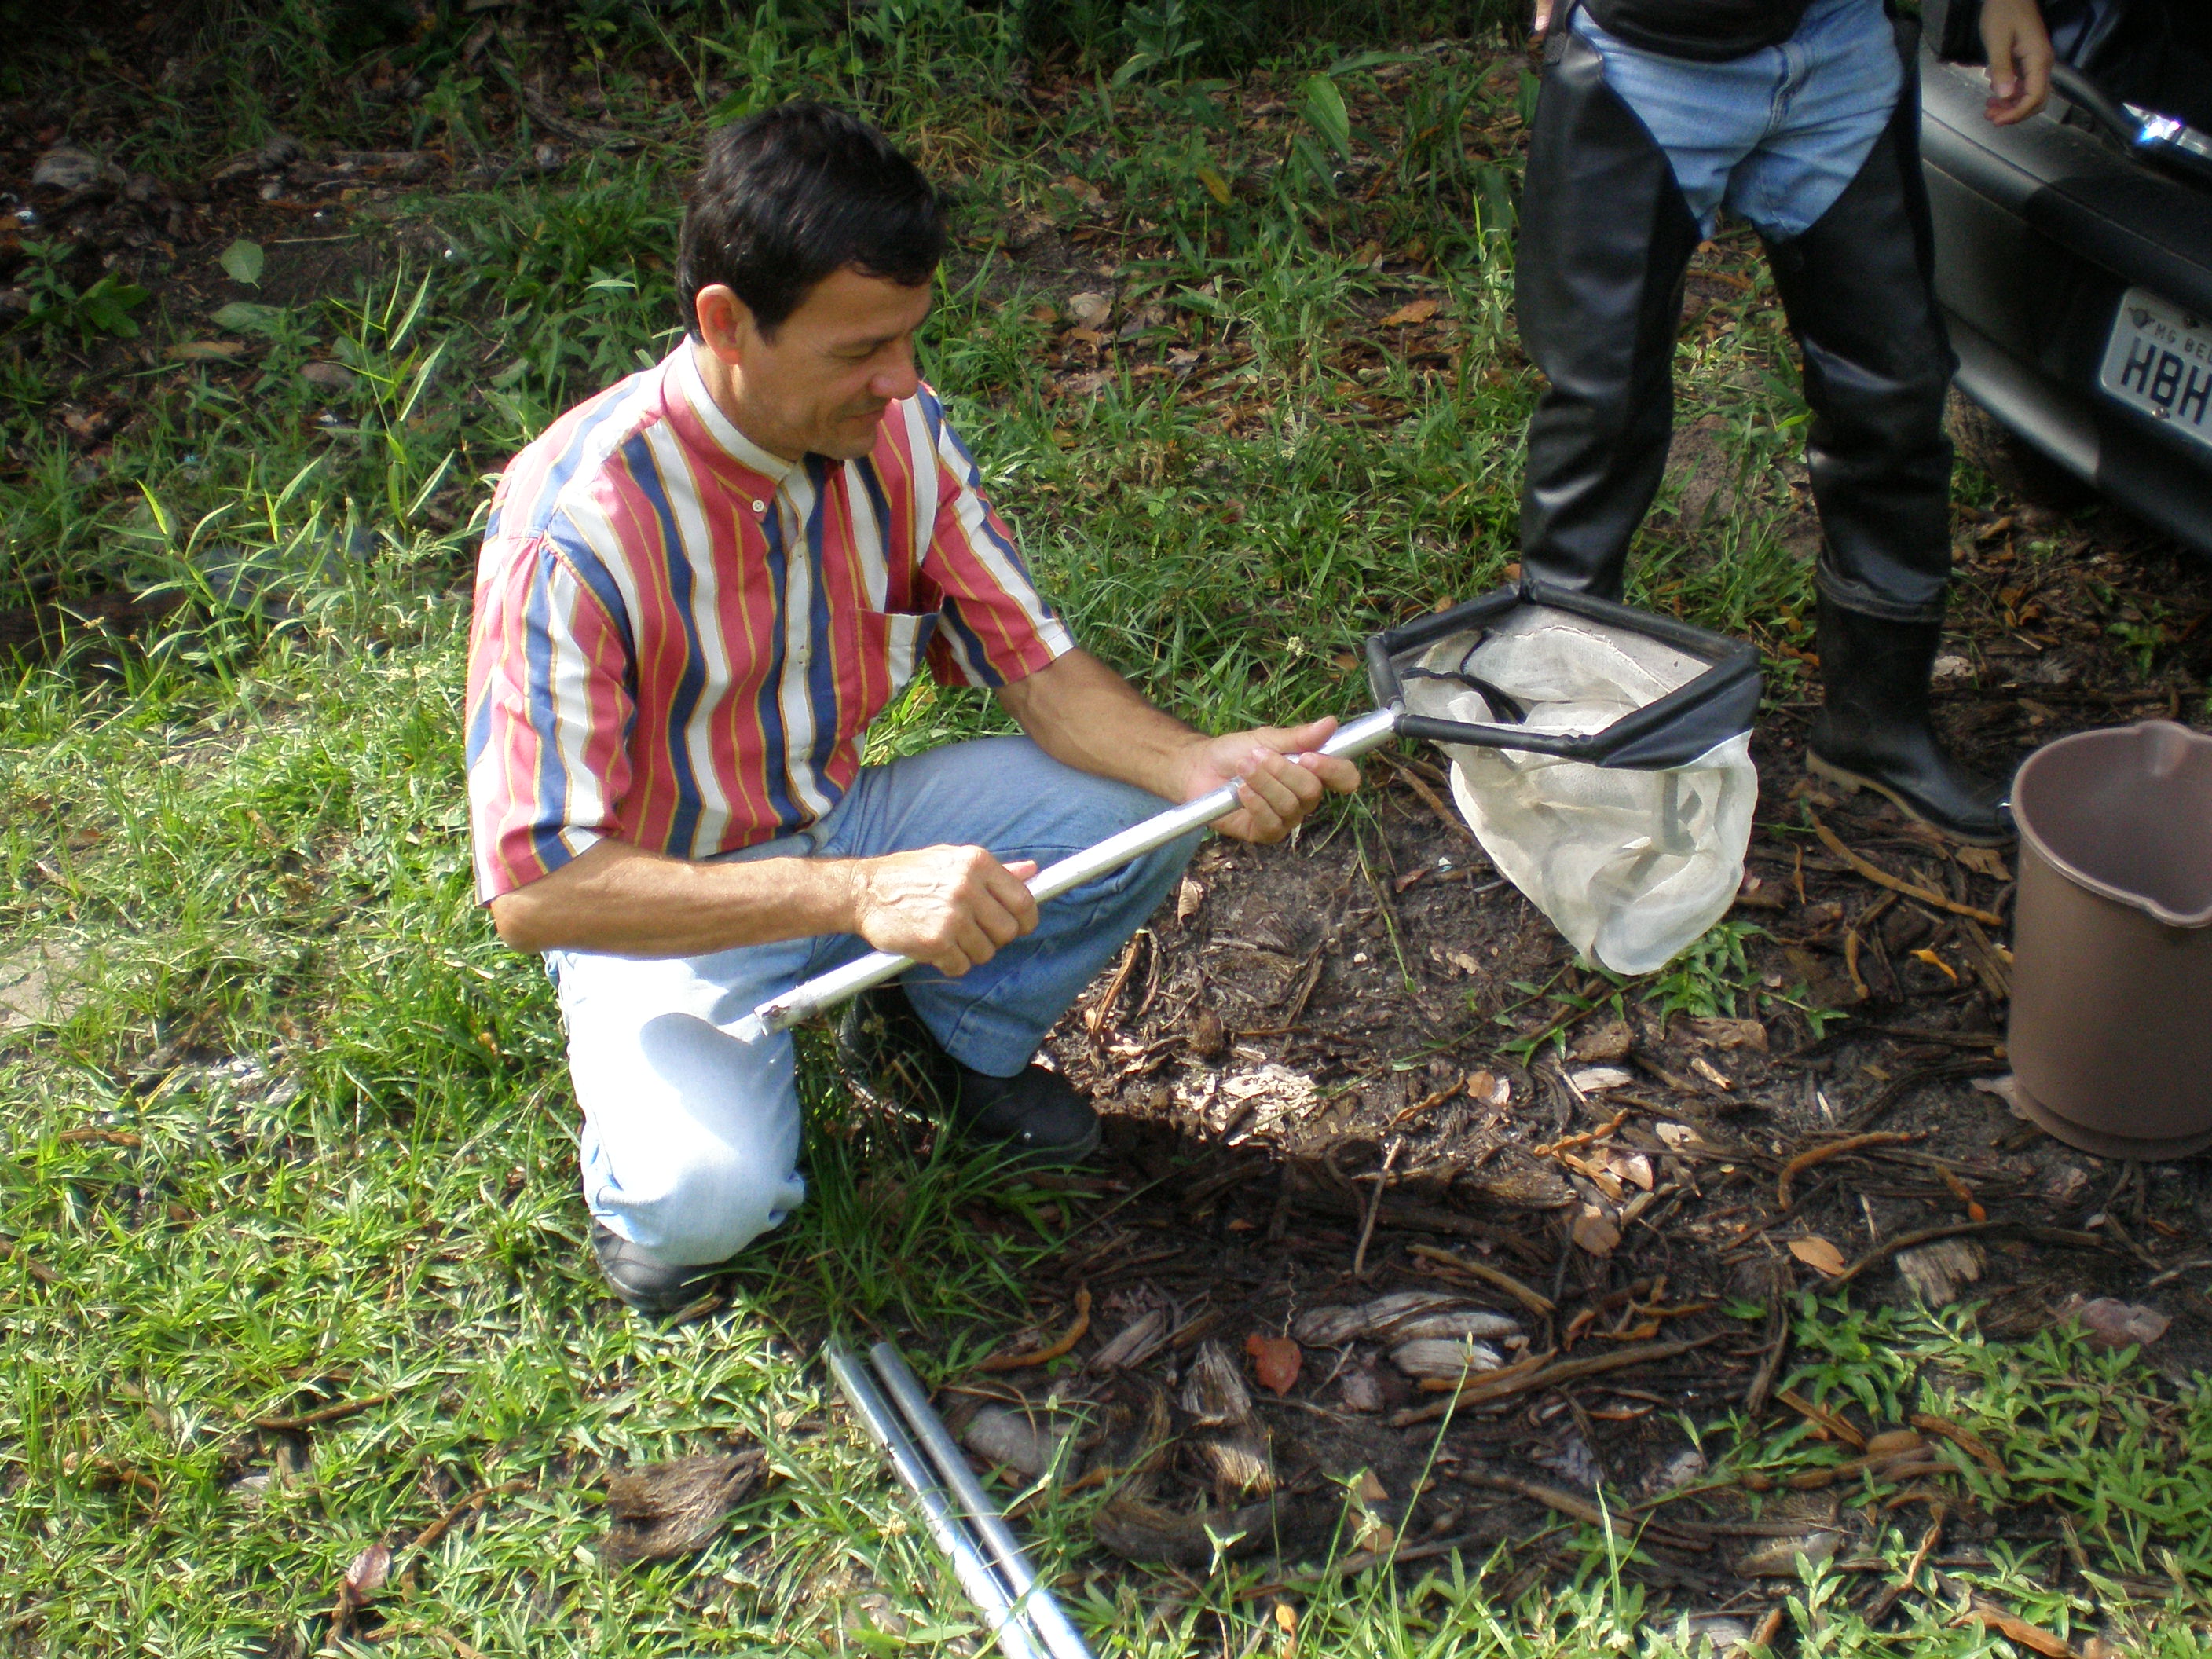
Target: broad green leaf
[1216, 185]
[243, 260]
[243, 316]
[1324, 109]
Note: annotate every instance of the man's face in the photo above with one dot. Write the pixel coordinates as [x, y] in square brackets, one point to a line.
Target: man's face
[821, 384]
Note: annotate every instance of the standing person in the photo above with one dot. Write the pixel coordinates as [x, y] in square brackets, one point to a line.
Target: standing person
[697, 590]
[1801, 117]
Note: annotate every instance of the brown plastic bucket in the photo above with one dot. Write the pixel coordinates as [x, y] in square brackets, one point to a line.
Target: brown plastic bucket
[2111, 1034]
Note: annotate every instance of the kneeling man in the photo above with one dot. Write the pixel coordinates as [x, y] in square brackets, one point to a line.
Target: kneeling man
[697, 591]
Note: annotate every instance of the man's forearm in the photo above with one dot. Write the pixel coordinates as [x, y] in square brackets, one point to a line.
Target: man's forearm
[618, 900]
[1085, 715]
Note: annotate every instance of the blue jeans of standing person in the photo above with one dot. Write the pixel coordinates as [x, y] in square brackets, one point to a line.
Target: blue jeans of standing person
[1774, 136]
[691, 1139]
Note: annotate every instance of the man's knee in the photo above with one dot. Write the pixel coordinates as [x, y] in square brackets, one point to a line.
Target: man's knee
[693, 1139]
[706, 1203]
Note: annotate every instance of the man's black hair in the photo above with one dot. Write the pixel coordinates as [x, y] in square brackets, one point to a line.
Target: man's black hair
[790, 195]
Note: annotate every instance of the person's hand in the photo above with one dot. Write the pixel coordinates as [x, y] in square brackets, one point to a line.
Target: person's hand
[1280, 775]
[950, 907]
[2020, 56]
[1540, 20]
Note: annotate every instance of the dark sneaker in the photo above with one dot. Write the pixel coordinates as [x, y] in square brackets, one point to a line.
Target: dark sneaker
[651, 1286]
[1035, 1115]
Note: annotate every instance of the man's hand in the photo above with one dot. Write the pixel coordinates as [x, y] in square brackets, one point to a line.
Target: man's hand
[1540, 20]
[1280, 776]
[2019, 57]
[950, 907]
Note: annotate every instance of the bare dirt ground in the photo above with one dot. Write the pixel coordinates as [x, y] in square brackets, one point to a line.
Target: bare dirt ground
[1313, 1104]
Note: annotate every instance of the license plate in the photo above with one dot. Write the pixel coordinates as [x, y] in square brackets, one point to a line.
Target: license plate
[2159, 360]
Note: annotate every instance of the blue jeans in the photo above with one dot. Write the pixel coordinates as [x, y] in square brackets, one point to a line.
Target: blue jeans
[691, 1139]
[1775, 135]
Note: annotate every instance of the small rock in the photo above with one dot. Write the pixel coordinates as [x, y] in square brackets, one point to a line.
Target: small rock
[1445, 1358]
[1676, 1472]
[2064, 1185]
[1935, 1272]
[332, 377]
[1360, 1391]
[1720, 1635]
[2111, 1323]
[1611, 1041]
[1730, 1033]
[1012, 1440]
[1951, 669]
[68, 170]
[1779, 1558]
[1596, 1080]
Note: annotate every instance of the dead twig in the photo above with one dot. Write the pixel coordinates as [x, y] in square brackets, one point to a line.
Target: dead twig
[1580, 1509]
[1889, 1597]
[1413, 781]
[452, 1517]
[1533, 1376]
[32, 1265]
[1821, 1418]
[1382, 1179]
[1536, 1304]
[1568, 1143]
[1890, 1246]
[1094, 1021]
[1805, 1160]
[320, 1415]
[1051, 1351]
[1965, 1439]
[1770, 1363]
[1430, 1104]
[1892, 1091]
[1881, 877]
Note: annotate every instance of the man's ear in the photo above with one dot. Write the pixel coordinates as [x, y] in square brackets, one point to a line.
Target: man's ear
[726, 322]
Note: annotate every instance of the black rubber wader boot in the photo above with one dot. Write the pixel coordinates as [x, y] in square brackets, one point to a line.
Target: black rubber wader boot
[1872, 731]
[1605, 240]
[1859, 291]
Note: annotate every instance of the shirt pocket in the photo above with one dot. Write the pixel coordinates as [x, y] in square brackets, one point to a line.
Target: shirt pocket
[892, 645]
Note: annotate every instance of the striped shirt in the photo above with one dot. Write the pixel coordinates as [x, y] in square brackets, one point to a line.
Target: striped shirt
[680, 638]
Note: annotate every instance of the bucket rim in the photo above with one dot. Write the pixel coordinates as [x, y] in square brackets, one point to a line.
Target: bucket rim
[2024, 824]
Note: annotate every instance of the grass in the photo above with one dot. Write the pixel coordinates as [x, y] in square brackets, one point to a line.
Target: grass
[296, 1132]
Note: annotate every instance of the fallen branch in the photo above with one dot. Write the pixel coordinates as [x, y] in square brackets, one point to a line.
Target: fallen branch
[1051, 1351]
[1580, 1509]
[1965, 1439]
[321, 1415]
[453, 1516]
[1568, 1143]
[1805, 1160]
[1881, 877]
[1888, 1598]
[1532, 1375]
[1411, 779]
[1101, 1010]
[1888, 1248]
[1821, 1418]
[1541, 1306]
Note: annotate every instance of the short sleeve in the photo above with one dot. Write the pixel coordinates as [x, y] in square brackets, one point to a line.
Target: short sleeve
[548, 713]
[997, 628]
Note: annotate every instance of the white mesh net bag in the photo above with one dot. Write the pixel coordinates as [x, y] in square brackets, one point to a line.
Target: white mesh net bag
[1632, 861]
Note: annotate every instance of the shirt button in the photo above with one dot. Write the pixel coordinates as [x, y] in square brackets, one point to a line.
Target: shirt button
[760, 507]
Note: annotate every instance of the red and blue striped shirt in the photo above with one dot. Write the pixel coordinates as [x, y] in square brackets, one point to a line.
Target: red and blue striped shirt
[680, 640]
